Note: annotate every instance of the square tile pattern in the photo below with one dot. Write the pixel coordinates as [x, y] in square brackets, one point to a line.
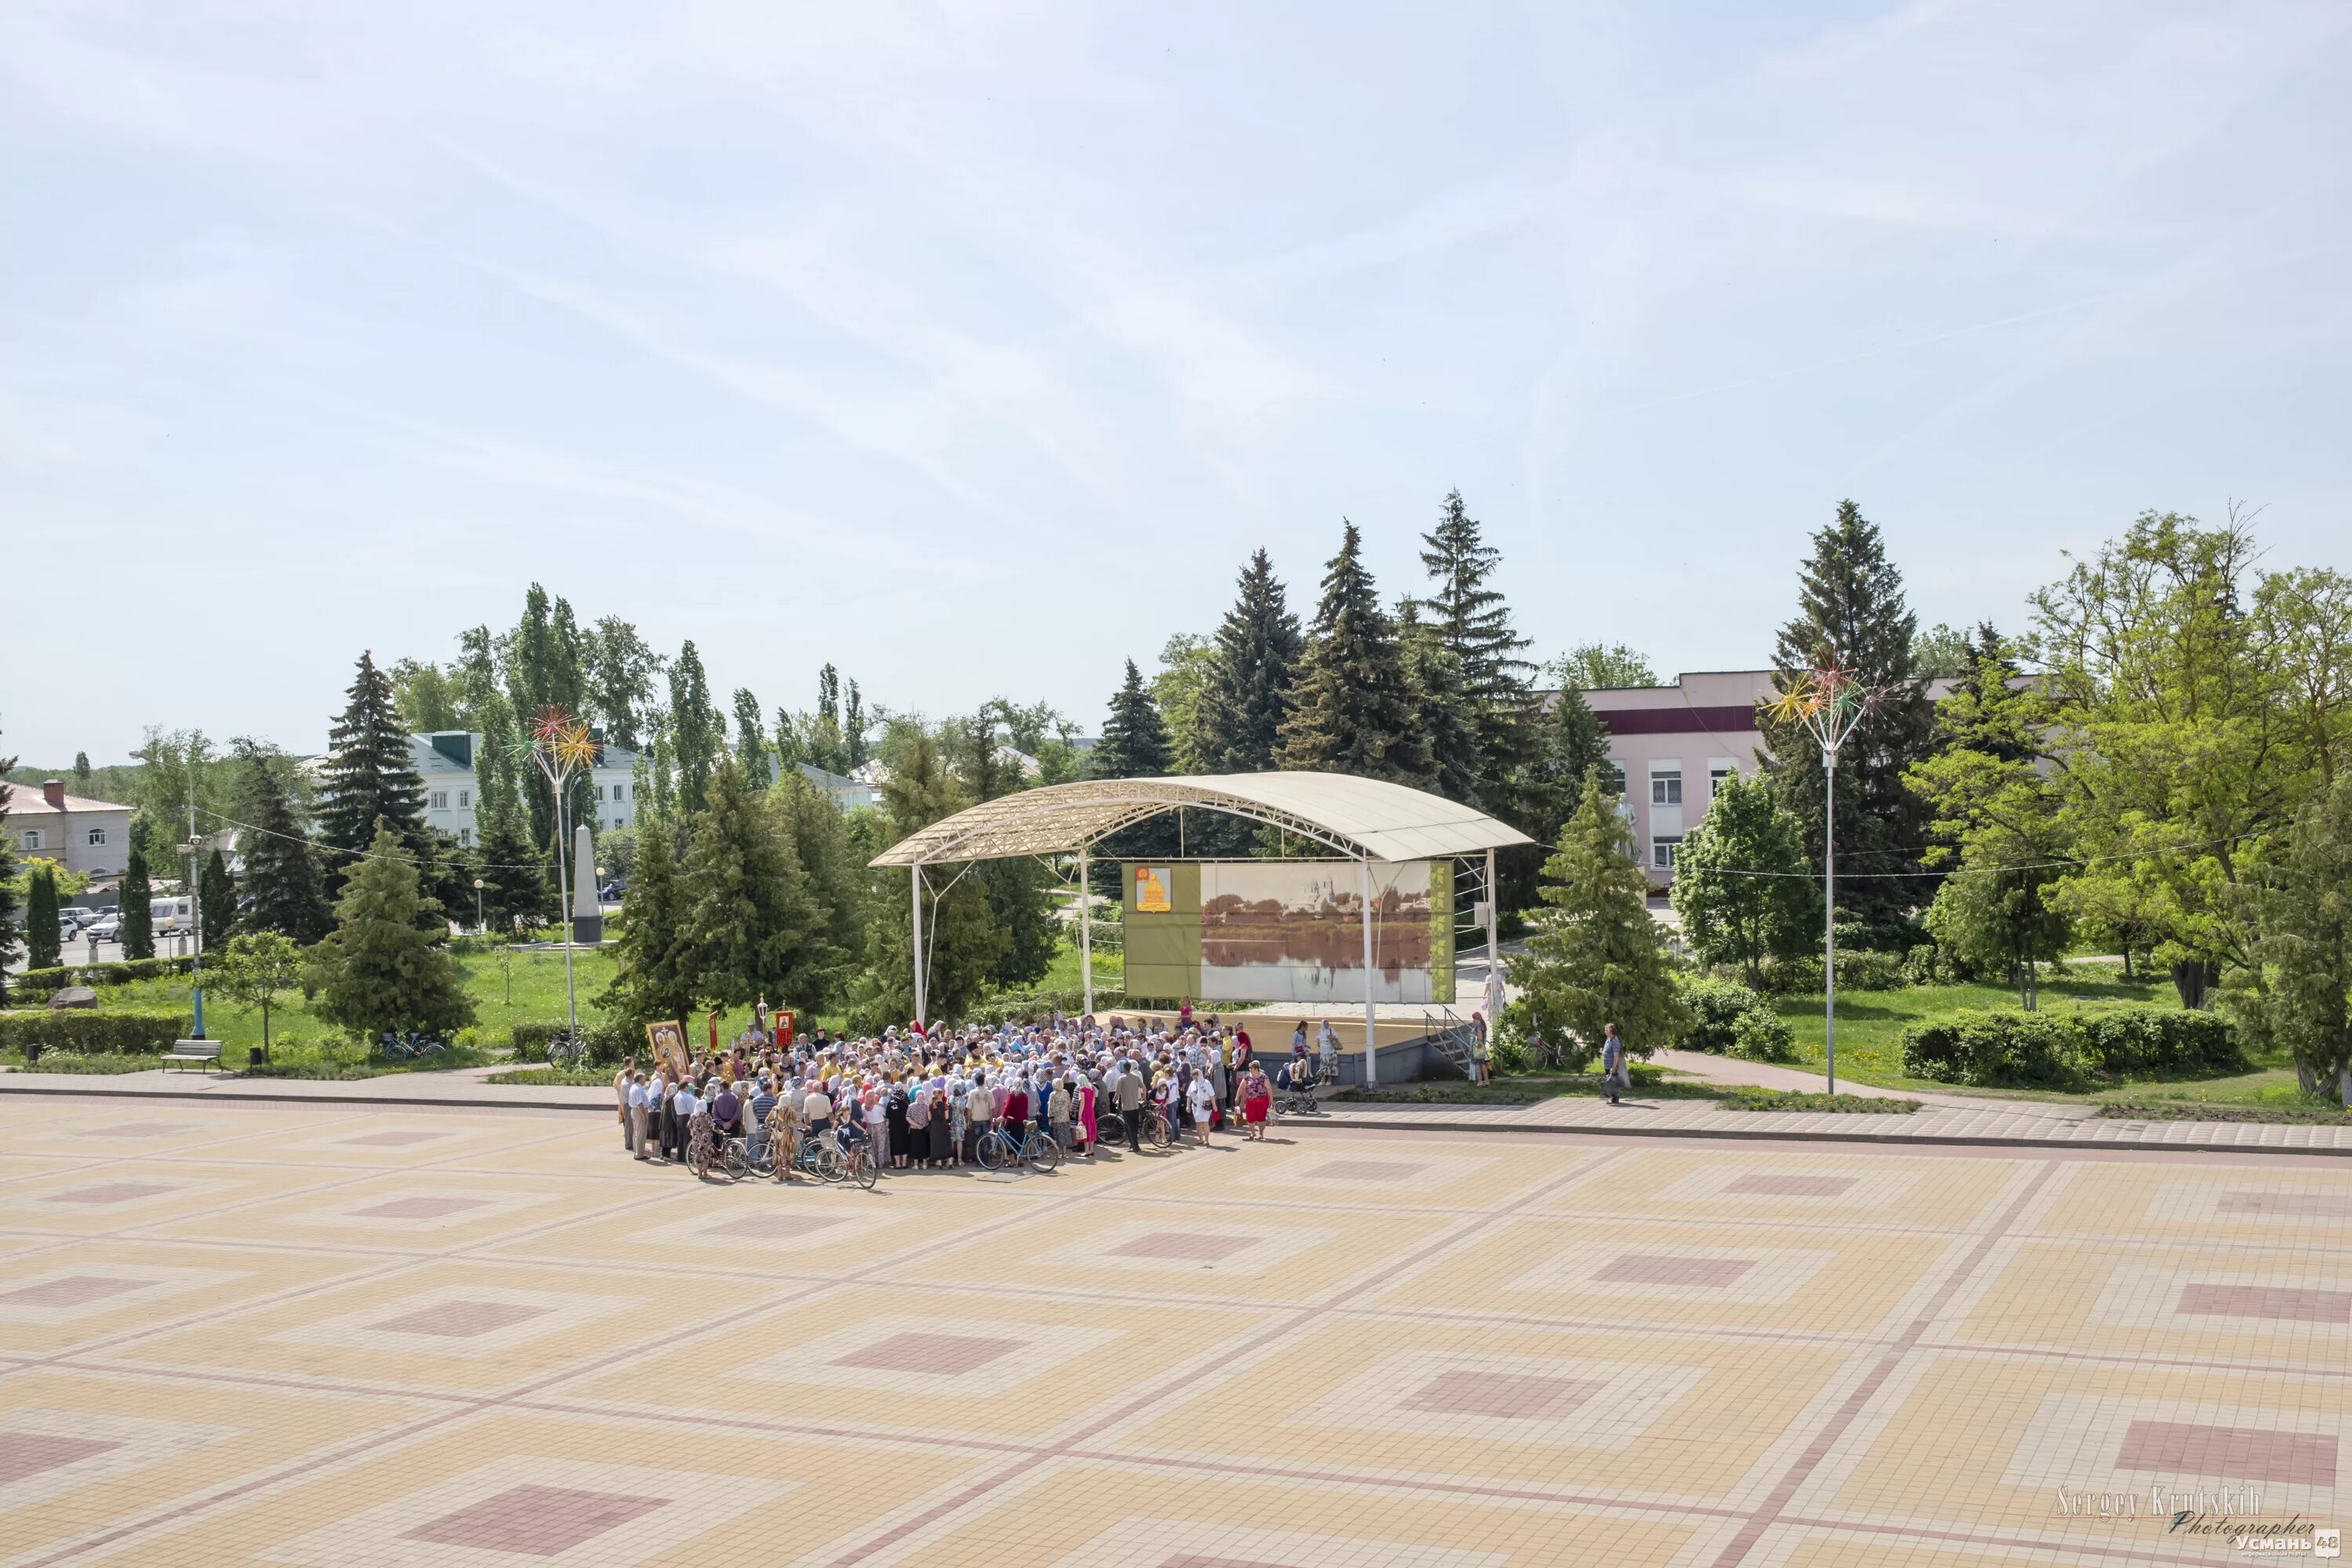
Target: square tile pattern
[1351, 1349]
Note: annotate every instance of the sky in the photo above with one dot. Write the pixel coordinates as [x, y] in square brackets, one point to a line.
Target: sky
[974, 346]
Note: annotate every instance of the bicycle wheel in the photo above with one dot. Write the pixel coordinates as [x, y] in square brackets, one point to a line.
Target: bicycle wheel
[832, 1164]
[995, 1150]
[1156, 1130]
[1044, 1152]
[736, 1164]
[863, 1169]
[1111, 1128]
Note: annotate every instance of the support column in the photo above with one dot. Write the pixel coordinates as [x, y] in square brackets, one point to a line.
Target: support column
[1371, 1036]
[1086, 931]
[915, 884]
[1494, 997]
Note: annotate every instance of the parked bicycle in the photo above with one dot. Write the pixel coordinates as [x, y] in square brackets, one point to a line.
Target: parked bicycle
[710, 1152]
[1001, 1146]
[564, 1049]
[410, 1047]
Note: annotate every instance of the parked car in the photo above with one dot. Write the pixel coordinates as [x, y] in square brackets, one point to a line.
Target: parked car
[108, 926]
[614, 890]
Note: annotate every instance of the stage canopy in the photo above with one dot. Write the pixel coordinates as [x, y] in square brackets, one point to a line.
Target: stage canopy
[1357, 817]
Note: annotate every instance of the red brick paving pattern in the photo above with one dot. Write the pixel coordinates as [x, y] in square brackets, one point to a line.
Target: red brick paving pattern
[1367, 1170]
[951, 1355]
[1184, 1246]
[420, 1208]
[535, 1520]
[23, 1454]
[460, 1319]
[1762, 1186]
[2237, 1453]
[72, 1291]
[1646, 1269]
[1516, 1396]
[108, 1193]
[2283, 1302]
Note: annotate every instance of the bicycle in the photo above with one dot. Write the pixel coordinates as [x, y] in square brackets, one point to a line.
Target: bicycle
[999, 1148]
[827, 1159]
[406, 1047]
[708, 1150]
[564, 1049]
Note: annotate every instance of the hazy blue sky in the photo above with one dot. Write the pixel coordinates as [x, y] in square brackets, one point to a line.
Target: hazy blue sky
[974, 346]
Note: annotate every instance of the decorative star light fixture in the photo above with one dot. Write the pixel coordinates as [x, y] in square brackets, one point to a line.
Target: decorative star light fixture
[563, 749]
[1828, 704]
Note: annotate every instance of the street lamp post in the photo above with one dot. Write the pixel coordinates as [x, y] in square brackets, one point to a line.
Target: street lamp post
[562, 747]
[479, 927]
[1829, 703]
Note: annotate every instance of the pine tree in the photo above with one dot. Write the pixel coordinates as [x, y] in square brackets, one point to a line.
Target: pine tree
[1473, 622]
[216, 902]
[42, 949]
[380, 970]
[1571, 743]
[133, 901]
[1247, 695]
[1134, 742]
[368, 777]
[1851, 608]
[753, 930]
[1351, 711]
[751, 741]
[651, 980]
[1596, 957]
[285, 890]
[1446, 714]
[697, 733]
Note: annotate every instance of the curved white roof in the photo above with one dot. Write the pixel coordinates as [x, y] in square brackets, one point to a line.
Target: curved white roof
[1385, 821]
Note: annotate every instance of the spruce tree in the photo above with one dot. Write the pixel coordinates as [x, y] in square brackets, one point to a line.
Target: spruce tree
[517, 884]
[133, 903]
[368, 777]
[1595, 957]
[1134, 742]
[697, 734]
[285, 890]
[835, 872]
[1851, 609]
[1446, 714]
[1351, 711]
[753, 929]
[1473, 622]
[1246, 694]
[380, 970]
[42, 949]
[651, 980]
[216, 902]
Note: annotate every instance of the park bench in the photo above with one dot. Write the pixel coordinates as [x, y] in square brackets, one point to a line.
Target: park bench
[203, 1052]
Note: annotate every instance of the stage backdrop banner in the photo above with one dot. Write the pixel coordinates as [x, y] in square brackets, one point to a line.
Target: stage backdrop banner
[1288, 930]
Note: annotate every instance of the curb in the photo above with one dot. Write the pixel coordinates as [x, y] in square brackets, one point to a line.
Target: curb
[1367, 1123]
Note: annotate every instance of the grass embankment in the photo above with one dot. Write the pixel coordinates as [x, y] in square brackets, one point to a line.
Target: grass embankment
[1870, 1026]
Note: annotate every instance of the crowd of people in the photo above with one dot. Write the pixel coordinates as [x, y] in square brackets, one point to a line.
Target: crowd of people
[921, 1098]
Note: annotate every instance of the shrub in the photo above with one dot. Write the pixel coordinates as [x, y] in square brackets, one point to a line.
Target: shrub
[34, 984]
[2068, 1050]
[606, 1040]
[1760, 1035]
[1857, 970]
[91, 1033]
[1927, 965]
[1715, 1007]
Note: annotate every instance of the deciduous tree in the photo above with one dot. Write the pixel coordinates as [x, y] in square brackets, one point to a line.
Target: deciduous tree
[256, 966]
[1742, 888]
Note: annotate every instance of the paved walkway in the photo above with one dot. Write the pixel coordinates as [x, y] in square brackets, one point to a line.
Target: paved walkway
[342, 1336]
[2018, 1123]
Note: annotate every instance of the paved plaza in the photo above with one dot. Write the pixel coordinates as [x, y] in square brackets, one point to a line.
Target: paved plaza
[336, 1336]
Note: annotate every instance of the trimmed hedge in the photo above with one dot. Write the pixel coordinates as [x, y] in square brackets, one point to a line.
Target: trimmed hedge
[2071, 1049]
[34, 984]
[91, 1033]
[1858, 970]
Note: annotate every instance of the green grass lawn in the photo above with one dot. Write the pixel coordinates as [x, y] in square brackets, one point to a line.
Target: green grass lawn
[1870, 1026]
[527, 989]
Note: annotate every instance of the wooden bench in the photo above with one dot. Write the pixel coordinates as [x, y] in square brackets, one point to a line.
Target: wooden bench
[202, 1052]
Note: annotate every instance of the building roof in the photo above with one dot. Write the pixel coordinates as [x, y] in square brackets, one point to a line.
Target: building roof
[1353, 816]
[23, 798]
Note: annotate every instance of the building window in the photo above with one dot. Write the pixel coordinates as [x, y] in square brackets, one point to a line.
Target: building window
[98, 839]
[1662, 852]
[1716, 774]
[465, 799]
[1617, 781]
[440, 800]
[1666, 788]
[32, 838]
[466, 836]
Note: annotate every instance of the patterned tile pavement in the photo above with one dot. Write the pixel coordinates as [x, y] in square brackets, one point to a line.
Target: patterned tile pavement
[363, 1336]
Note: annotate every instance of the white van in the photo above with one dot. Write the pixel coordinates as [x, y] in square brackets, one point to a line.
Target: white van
[171, 914]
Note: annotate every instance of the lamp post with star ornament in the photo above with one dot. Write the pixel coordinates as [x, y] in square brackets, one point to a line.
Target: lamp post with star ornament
[1829, 703]
[563, 749]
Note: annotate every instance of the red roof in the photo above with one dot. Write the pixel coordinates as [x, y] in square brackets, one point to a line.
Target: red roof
[23, 798]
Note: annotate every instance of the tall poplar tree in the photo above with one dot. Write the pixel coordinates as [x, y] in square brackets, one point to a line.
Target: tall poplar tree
[8, 938]
[697, 734]
[285, 890]
[1134, 740]
[1246, 695]
[368, 777]
[42, 948]
[1851, 609]
[751, 737]
[1352, 709]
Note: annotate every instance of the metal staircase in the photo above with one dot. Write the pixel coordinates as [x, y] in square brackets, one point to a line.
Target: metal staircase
[1452, 1037]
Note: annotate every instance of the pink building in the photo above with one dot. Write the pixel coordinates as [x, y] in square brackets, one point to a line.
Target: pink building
[1674, 744]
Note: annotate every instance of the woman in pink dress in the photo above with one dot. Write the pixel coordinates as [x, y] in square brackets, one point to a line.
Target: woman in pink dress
[1087, 1115]
[1257, 1101]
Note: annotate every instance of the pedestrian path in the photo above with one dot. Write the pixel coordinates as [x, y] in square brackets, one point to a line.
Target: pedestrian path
[1947, 1119]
